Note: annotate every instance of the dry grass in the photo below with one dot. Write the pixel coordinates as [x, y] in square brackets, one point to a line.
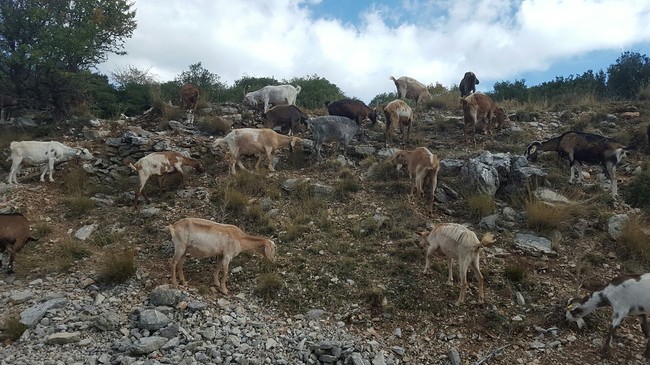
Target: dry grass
[542, 216]
[117, 268]
[78, 206]
[13, 329]
[636, 237]
[480, 205]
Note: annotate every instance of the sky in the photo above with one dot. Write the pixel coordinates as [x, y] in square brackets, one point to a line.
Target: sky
[359, 44]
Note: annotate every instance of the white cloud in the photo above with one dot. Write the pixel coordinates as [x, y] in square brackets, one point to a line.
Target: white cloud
[432, 41]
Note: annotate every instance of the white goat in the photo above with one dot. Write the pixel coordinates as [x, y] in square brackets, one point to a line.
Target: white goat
[627, 295]
[160, 164]
[458, 243]
[36, 152]
[203, 238]
[253, 141]
[422, 166]
[280, 94]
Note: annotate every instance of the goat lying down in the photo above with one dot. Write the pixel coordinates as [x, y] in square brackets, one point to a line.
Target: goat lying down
[579, 147]
[458, 243]
[627, 295]
[203, 238]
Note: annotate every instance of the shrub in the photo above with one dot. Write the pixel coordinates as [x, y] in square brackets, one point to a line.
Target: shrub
[515, 274]
[13, 329]
[635, 239]
[69, 253]
[118, 267]
[41, 230]
[78, 205]
[75, 182]
[214, 125]
[480, 205]
[543, 216]
[268, 285]
[637, 191]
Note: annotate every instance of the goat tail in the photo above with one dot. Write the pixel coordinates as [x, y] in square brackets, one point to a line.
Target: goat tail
[132, 166]
[298, 88]
[392, 78]
[487, 239]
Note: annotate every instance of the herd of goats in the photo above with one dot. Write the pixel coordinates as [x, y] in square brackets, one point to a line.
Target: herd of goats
[200, 238]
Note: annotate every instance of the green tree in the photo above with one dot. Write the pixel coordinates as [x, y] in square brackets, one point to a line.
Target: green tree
[628, 75]
[315, 91]
[43, 44]
[506, 90]
[383, 98]
[235, 93]
[208, 83]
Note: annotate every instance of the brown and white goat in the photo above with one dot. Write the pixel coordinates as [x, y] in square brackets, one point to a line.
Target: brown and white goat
[397, 113]
[189, 97]
[457, 242]
[14, 234]
[160, 164]
[410, 88]
[627, 295]
[202, 238]
[422, 166]
[579, 147]
[252, 141]
[479, 107]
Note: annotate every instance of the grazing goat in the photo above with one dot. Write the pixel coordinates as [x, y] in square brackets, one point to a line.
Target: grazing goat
[579, 147]
[397, 113]
[468, 84]
[331, 128]
[202, 238]
[457, 242]
[410, 88]
[288, 117]
[280, 94]
[354, 109]
[14, 234]
[476, 108]
[627, 295]
[252, 141]
[422, 166]
[36, 152]
[189, 97]
[160, 164]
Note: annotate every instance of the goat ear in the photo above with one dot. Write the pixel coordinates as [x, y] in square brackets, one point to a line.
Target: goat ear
[79, 150]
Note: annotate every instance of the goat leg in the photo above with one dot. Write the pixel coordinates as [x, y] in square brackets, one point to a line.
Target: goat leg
[604, 352]
[646, 332]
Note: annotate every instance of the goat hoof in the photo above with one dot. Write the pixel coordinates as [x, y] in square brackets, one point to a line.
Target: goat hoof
[223, 291]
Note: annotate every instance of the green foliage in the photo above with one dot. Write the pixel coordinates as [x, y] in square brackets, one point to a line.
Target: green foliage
[507, 90]
[635, 239]
[628, 75]
[235, 94]
[637, 191]
[52, 41]
[315, 91]
[208, 83]
[383, 98]
[515, 274]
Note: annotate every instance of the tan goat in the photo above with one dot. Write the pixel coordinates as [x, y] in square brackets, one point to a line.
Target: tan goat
[457, 242]
[422, 166]
[410, 88]
[397, 113]
[202, 238]
[477, 108]
[160, 164]
[252, 141]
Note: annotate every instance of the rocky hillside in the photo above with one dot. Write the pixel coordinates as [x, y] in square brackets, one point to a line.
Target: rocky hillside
[347, 287]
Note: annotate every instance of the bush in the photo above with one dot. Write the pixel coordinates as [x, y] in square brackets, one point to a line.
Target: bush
[515, 274]
[13, 329]
[214, 125]
[268, 285]
[543, 216]
[78, 205]
[480, 205]
[119, 267]
[635, 239]
[637, 192]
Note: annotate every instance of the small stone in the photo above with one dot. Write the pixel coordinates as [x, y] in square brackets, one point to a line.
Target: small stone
[61, 338]
[520, 299]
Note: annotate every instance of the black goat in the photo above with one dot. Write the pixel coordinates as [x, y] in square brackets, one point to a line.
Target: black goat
[579, 147]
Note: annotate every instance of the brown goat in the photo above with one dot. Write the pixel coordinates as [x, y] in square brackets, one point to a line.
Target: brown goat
[397, 113]
[160, 164]
[189, 97]
[478, 107]
[14, 234]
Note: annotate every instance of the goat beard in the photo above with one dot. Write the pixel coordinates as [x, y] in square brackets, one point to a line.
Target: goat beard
[580, 322]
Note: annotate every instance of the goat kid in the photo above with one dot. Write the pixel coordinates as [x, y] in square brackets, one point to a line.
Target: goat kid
[160, 164]
[202, 238]
[579, 147]
[14, 234]
[459, 243]
[36, 152]
[422, 166]
[627, 295]
[253, 141]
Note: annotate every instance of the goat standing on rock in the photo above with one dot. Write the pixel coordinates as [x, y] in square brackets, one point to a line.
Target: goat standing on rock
[627, 295]
[578, 147]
